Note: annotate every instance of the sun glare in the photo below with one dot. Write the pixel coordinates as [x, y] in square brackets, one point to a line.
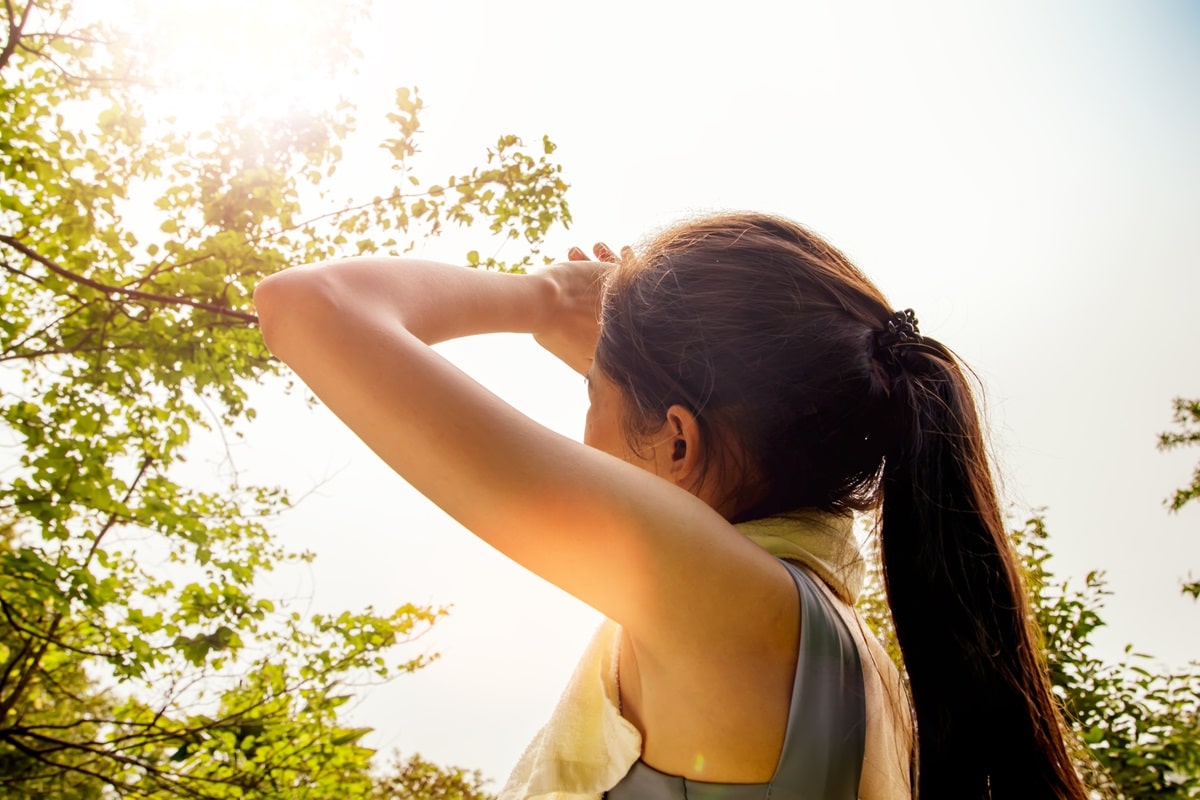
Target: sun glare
[263, 58]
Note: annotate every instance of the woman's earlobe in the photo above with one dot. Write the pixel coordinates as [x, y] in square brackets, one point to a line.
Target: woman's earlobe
[686, 445]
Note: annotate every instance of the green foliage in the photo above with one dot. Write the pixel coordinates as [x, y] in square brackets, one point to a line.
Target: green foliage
[1187, 432]
[137, 657]
[872, 602]
[416, 778]
[1187, 421]
[1137, 723]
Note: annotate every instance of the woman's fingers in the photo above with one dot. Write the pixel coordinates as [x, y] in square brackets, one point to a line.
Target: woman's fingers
[604, 253]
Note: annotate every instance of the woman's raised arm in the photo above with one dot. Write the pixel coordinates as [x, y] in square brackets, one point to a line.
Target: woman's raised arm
[604, 530]
[432, 301]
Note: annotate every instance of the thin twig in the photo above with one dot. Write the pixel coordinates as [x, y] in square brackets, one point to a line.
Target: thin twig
[42, 330]
[62, 351]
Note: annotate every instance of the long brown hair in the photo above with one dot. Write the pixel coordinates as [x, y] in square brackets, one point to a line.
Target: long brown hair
[772, 337]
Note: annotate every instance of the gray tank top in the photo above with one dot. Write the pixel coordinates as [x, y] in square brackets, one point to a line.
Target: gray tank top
[826, 730]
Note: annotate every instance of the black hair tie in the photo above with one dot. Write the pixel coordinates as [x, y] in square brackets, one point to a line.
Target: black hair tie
[901, 328]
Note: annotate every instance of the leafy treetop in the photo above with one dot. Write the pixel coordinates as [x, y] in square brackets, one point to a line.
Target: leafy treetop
[137, 657]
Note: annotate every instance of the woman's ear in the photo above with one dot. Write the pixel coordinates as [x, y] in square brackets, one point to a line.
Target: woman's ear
[683, 456]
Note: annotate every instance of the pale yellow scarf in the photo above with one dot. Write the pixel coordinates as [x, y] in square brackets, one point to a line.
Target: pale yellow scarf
[587, 746]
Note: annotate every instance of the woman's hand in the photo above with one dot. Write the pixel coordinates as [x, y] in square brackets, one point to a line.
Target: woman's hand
[573, 326]
[603, 253]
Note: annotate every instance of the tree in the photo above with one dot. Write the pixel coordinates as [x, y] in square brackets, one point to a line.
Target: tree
[136, 656]
[1187, 432]
[1140, 723]
[1187, 420]
[416, 777]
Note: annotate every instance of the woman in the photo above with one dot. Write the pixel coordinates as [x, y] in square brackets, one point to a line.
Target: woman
[772, 391]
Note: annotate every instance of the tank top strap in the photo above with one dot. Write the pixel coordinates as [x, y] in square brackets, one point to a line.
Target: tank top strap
[827, 724]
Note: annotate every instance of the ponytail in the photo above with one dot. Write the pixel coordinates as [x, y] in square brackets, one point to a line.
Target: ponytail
[987, 724]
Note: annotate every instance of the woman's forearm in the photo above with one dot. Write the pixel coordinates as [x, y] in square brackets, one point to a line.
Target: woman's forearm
[432, 301]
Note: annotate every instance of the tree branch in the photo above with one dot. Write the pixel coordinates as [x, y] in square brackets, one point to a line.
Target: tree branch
[112, 518]
[38, 333]
[40, 282]
[59, 768]
[378, 201]
[13, 660]
[78, 80]
[177, 781]
[17, 625]
[51, 679]
[21, 272]
[62, 351]
[47, 638]
[73, 37]
[14, 30]
[33, 661]
[162, 267]
[133, 294]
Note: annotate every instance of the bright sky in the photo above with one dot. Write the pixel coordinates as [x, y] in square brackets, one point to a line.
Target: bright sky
[1025, 175]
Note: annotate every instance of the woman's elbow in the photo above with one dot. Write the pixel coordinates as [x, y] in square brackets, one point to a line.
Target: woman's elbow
[289, 304]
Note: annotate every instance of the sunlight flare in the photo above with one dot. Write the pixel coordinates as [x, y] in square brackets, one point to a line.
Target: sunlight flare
[252, 58]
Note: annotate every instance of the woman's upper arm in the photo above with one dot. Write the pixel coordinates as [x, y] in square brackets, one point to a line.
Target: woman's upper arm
[622, 540]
